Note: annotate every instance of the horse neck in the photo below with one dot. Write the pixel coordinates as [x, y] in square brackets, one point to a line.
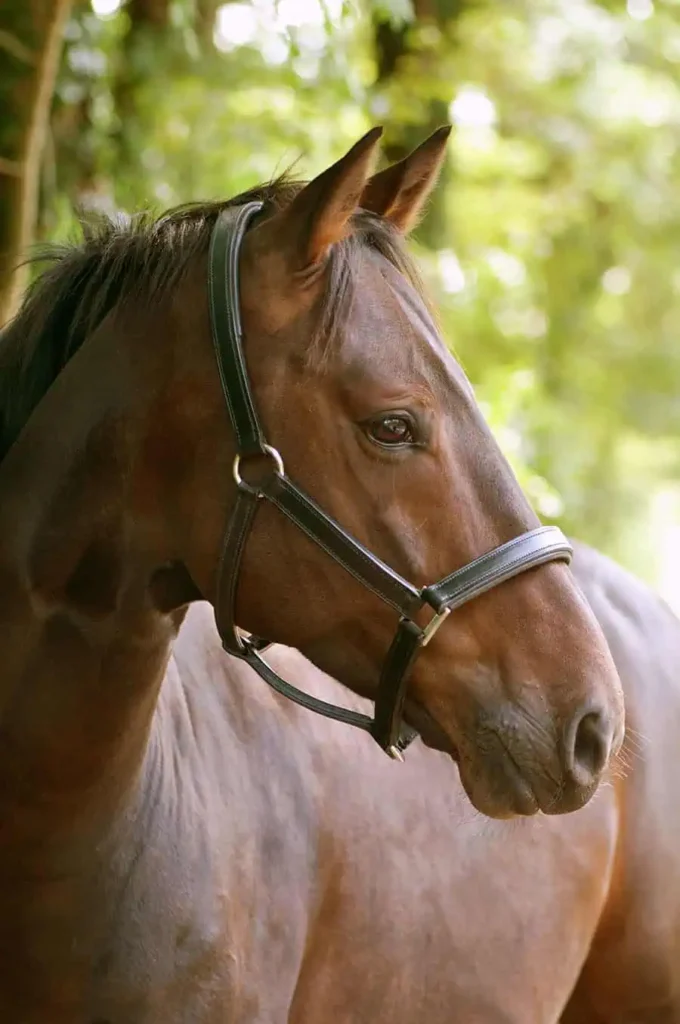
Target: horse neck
[84, 647]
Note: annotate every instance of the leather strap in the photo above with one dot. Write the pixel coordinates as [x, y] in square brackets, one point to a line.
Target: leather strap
[388, 728]
[545, 544]
[227, 332]
[341, 546]
[305, 700]
[238, 529]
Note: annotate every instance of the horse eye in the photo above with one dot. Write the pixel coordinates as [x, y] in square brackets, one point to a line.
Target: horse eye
[392, 430]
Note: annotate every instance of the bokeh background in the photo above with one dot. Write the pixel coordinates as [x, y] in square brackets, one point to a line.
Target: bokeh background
[552, 246]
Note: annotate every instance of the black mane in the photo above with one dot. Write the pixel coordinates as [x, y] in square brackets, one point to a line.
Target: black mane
[143, 257]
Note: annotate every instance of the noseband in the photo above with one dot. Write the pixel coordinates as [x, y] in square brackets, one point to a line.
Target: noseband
[531, 549]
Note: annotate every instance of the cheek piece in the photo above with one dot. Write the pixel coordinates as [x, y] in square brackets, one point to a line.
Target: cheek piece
[531, 549]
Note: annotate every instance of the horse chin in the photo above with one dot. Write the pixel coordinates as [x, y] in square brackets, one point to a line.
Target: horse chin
[508, 797]
[512, 797]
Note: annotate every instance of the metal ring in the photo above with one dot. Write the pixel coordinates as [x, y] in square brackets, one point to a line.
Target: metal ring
[273, 454]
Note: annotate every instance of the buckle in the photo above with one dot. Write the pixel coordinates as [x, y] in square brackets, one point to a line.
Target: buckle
[433, 625]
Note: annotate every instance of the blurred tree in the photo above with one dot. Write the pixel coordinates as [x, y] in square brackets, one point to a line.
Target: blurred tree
[415, 84]
[30, 47]
[566, 210]
[141, 46]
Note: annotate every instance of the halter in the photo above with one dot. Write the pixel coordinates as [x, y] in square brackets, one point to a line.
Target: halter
[531, 549]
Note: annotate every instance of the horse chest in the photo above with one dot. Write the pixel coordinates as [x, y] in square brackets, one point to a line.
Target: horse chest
[202, 932]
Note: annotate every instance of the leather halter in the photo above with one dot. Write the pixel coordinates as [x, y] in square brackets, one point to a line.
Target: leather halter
[531, 549]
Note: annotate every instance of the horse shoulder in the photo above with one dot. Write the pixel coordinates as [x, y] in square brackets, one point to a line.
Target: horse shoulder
[218, 847]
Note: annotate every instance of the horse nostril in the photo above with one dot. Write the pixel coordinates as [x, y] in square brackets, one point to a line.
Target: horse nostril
[588, 746]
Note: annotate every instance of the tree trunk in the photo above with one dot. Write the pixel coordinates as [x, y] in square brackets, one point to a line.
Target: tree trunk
[206, 11]
[415, 75]
[148, 27]
[31, 34]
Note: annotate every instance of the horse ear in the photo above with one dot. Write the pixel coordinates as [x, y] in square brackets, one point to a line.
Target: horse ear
[400, 192]
[320, 213]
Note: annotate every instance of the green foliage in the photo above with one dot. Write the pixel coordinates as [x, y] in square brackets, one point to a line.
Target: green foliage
[554, 262]
[565, 216]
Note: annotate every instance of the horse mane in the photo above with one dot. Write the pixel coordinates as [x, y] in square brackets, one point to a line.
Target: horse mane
[143, 258]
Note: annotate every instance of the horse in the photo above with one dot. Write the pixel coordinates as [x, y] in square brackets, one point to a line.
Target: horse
[177, 841]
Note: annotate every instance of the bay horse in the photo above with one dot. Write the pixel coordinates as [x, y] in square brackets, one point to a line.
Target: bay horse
[179, 843]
